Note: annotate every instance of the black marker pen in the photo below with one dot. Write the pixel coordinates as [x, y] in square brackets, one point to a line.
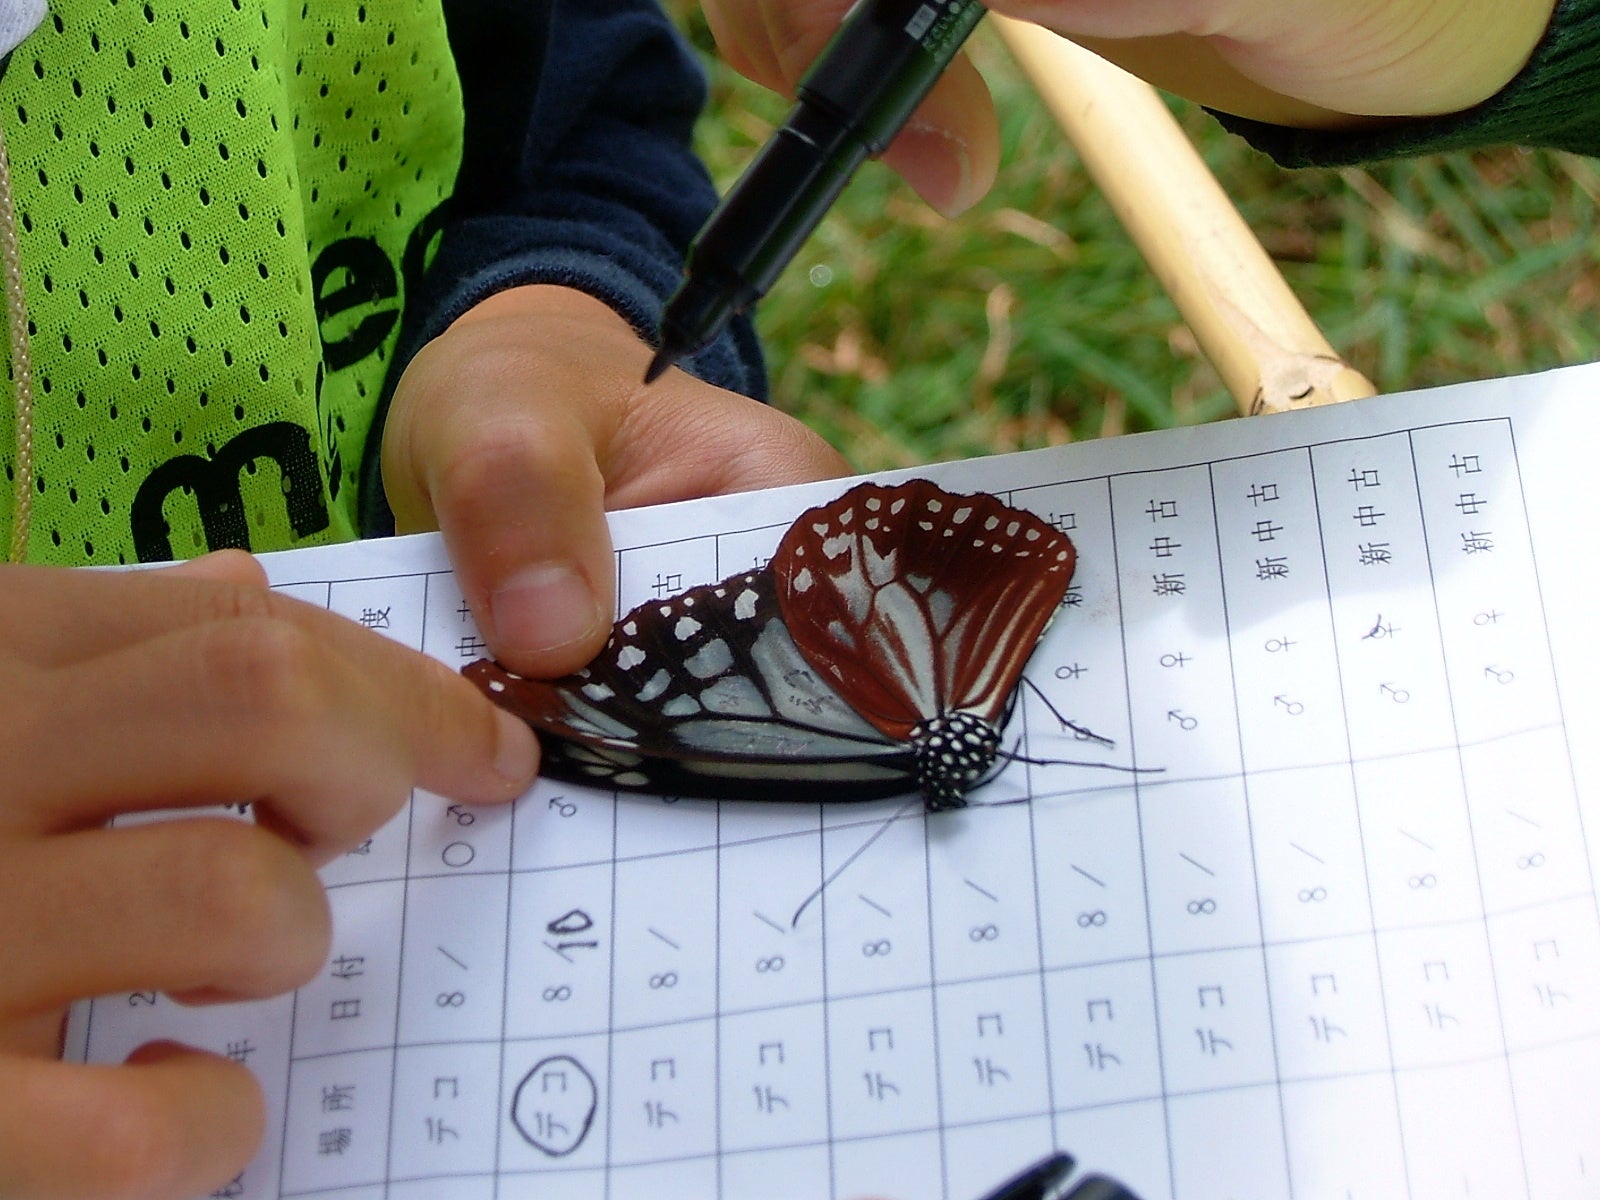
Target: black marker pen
[857, 95]
[1051, 1179]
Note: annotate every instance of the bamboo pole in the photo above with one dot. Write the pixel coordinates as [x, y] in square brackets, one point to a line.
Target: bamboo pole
[1248, 322]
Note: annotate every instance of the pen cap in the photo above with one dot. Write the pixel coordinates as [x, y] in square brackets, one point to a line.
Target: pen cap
[884, 59]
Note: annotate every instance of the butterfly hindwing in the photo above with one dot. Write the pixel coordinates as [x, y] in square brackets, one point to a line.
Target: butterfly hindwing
[912, 601]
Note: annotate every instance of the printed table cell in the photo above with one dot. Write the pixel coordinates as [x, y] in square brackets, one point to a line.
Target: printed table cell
[445, 1111]
[1421, 865]
[881, 1055]
[350, 1004]
[554, 1115]
[1440, 995]
[663, 1084]
[393, 607]
[875, 905]
[559, 978]
[770, 923]
[336, 1131]
[1344, 1138]
[1201, 886]
[893, 1165]
[1126, 1141]
[1328, 1007]
[1310, 872]
[559, 825]
[1439, 1127]
[982, 900]
[666, 927]
[459, 839]
[452, 972]
[989, 1065]
[775, 1083]
[1091, 893]
[793, 1173]
[1104, 1043]
[1228, 1144]
[1546, 964]
[1216, 1028]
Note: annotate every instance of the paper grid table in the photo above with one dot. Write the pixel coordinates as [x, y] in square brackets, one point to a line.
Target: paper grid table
[1340, 938]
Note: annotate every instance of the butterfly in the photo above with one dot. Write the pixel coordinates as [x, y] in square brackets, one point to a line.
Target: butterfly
[877, 653]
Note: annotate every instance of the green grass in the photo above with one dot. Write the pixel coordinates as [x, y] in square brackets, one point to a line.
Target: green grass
[905, 338]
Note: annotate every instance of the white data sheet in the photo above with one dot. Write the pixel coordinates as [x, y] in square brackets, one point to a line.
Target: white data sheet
[1338, 938]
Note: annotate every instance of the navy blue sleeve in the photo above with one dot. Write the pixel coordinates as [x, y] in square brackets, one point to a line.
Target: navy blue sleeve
[578, 170]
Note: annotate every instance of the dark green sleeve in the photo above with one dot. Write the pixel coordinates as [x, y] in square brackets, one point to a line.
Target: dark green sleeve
[1554, 102]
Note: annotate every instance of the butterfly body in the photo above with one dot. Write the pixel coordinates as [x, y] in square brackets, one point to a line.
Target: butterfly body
[877, 653]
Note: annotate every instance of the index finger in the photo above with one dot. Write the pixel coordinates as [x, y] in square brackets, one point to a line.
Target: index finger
[55, 616]
[172, 1123]
[326, 726]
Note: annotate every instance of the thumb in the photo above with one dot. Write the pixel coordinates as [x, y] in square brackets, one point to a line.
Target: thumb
[487, 440]
[524, 511]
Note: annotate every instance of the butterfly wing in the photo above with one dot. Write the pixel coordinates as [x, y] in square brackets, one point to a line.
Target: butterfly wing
[910, 601]
[704, 694]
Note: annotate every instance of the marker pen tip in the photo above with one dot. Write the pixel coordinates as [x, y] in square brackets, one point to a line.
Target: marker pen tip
[658, 365]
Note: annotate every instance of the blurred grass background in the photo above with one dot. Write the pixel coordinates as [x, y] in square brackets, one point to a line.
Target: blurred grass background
[906, 338]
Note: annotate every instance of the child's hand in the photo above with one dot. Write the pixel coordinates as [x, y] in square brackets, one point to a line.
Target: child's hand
[516, 429]
[1313, 63]
[188, 688]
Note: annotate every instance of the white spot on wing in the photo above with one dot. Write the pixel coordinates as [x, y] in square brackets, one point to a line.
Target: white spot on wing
[658, 683]
[685, 629]
[630, 657]
[735, 696]
[710, 660]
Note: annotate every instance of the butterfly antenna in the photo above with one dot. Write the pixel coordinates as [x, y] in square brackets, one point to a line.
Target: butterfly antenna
[857, 853]
[1086, 734]
[1011, 756]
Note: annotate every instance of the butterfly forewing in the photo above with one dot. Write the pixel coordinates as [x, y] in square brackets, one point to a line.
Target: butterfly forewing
[911, 601]
[702, 693]
[876, 654]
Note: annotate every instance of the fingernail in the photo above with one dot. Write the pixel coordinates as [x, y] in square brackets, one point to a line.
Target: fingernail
[517, 756]
[940, 168]
[157, 1051]
[542, 608]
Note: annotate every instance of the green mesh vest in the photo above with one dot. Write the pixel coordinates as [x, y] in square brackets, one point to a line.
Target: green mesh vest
[218, 203]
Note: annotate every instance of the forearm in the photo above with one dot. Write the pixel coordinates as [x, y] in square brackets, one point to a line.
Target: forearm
[1553, 102]
[1324, 65]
